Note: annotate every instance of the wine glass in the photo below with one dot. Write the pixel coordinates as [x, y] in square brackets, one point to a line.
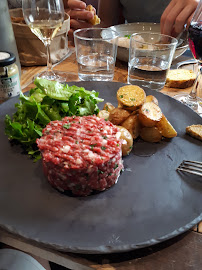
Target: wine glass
[45, 19]
[195, 44]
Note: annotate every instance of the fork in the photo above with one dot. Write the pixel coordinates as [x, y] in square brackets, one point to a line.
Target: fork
[193, 167]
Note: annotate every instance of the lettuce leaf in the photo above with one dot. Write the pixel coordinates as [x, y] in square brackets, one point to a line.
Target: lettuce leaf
[48, 101]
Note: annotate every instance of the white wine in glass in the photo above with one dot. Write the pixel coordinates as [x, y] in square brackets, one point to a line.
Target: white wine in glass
[45, 19]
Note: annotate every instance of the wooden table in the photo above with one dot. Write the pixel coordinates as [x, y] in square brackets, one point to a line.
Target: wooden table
[181, 253]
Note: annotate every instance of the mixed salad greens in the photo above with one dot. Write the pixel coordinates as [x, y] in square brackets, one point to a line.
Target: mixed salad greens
[48, 101]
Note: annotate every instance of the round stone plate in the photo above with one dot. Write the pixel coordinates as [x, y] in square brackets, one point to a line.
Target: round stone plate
[151, 202]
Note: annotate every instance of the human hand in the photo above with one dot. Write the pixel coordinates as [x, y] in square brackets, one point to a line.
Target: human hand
[176, 15]
[79, 17]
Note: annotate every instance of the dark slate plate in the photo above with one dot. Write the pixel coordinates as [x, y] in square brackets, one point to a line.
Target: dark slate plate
[150, 203]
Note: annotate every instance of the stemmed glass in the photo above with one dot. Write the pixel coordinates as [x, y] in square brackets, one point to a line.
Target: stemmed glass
[45, 19]
[195, 44]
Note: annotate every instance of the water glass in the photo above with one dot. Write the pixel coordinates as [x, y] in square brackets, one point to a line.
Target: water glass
[150, 57]
[96, 50]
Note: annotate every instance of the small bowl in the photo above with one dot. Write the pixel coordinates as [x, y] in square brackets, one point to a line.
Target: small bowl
[128, 29]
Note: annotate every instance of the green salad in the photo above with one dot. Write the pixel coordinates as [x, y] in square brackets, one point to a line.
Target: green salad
[48, 101]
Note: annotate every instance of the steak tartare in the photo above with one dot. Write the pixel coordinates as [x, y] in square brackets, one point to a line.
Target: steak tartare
[81, 154]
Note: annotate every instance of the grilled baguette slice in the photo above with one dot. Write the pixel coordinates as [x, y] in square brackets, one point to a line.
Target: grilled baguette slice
[195, 131]
[180, 78]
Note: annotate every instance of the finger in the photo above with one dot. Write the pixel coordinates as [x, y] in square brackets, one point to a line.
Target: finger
[81, 15]
[76, 4]
[189, 20]
[165, 14]
[170, 20]
[70, 35]
[75, 24]
[182, 18]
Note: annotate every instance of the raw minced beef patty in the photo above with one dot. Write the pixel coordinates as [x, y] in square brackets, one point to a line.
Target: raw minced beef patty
[81, 154]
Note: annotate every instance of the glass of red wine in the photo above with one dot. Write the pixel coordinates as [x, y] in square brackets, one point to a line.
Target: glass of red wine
[195, 44]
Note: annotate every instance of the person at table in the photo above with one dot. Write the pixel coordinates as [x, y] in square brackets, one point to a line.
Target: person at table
[75, 8]
[172, 15]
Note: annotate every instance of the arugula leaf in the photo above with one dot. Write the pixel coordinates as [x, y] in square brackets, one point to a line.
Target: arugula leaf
[48, 101]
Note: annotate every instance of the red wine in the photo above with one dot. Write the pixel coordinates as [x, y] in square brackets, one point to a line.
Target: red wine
[195, 40]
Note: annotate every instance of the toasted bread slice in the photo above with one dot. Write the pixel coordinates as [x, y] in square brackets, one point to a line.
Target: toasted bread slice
[180, 78]
[195, 131]
[95, 20]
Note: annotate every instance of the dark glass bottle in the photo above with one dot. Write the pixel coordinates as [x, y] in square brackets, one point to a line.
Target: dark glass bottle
[7, 38]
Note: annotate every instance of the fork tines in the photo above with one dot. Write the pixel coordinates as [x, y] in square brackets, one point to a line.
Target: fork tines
[193, 167]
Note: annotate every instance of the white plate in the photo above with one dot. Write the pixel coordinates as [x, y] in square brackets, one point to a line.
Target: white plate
[128, 29]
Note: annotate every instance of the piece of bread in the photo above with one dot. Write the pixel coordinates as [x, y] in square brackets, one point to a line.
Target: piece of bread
[95, 20]
[180, 78]
[17, 20]
[195, 131]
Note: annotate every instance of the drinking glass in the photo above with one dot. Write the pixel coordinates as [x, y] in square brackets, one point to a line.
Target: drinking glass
[96, 50]
[150, 57]
[45, 19]
[195, 44]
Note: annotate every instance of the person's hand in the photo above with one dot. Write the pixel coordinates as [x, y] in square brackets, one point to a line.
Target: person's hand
[177, 14]
[79, 17]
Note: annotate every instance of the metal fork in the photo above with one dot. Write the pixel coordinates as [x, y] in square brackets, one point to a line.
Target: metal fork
[193, 167]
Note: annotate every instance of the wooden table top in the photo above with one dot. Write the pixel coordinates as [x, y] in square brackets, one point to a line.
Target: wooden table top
[69, 65]
[183, 252]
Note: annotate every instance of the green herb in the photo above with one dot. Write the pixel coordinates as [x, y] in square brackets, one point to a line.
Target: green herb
[121, 96]
[104, 137]
[132, 99]
[128, 36]
[48, 101]
[67, 126]
[100, 172]
[92, 146]
[103, 147]
[116, 166]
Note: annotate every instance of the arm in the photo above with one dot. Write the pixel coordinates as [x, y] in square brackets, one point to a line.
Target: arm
[176, 15]
[109, 11]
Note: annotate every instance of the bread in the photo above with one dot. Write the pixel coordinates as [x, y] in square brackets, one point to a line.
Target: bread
[95, 20]
[18, 20]
[180, 78]
[195, 131]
